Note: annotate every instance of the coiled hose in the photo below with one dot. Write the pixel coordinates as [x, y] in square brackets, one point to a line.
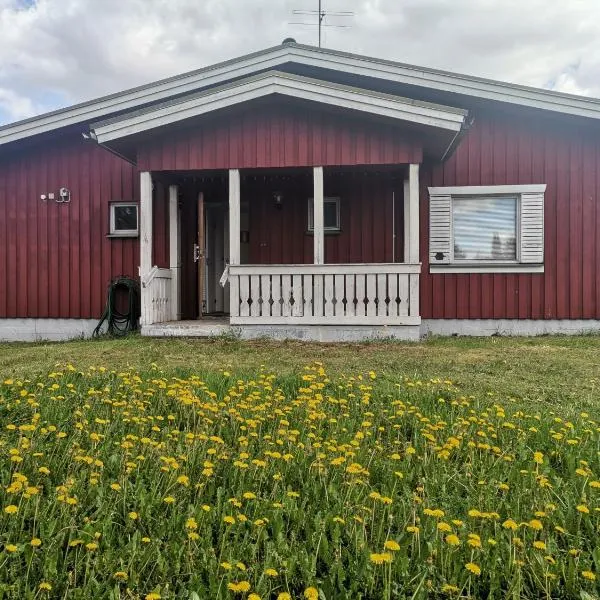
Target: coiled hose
[118, 323]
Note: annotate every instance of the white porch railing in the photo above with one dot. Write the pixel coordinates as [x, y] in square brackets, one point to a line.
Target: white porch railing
[334, 294]
[156, 296]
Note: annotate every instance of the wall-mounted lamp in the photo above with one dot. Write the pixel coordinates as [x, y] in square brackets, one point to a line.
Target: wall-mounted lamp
[278, 199]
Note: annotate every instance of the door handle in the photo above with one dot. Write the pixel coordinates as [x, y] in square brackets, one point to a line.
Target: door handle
[196, 253]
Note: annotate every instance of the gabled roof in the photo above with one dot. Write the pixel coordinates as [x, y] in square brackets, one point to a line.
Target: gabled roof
[275, 82]
[308, 56]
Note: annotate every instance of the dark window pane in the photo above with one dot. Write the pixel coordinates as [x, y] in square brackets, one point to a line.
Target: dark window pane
[330, 215]
[485, 228]
[125, 218]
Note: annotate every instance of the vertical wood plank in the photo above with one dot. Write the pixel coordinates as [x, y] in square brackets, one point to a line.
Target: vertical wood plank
[255, 295]
[318, 296]
[244, 295]
[286, 293]
[298, 307]
[276, 295]
[339, 292]
[382, 295]
[328, 294]
[371, 293]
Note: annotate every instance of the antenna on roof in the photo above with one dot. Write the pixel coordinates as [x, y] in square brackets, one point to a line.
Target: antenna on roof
[321, 14]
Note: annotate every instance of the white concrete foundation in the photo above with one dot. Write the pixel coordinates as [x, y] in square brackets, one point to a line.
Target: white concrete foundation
[330, 333]
[36, 330]
[517, 327]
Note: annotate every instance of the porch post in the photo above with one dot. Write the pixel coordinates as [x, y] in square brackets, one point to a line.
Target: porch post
[174, 245]
[413, 220]
[413, 235]
[234, 216]
[318, 218]
[406, 255]
[145, 244]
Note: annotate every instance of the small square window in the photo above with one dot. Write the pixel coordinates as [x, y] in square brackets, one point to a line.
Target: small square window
[331, 214]
[124, 219]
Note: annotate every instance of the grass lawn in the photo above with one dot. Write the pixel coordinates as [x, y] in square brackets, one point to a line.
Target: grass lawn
[219, 469]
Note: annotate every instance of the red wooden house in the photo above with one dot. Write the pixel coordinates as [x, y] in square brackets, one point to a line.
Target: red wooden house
[305, 192]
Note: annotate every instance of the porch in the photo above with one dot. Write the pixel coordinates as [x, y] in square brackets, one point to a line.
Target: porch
[318, 300]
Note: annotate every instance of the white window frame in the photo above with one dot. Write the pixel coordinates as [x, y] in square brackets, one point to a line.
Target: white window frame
[123, 232]
[311, 216]
[487, 265]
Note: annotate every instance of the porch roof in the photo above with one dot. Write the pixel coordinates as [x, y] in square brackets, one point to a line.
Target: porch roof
[425, 114]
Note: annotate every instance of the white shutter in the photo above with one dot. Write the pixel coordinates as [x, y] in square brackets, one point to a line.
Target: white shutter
[440, 234]
[532, 228]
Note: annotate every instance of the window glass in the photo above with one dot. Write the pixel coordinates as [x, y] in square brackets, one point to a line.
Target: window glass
[125, 218]
[331, 214]
[330, 210]
[485, 228]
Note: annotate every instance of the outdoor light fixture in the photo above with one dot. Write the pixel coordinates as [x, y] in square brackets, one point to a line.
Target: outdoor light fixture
[278, 198]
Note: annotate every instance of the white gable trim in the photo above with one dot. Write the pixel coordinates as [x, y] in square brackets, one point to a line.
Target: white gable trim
[316, 90]
[273, 58]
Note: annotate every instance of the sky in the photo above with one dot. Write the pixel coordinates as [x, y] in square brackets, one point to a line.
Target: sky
[54, 53]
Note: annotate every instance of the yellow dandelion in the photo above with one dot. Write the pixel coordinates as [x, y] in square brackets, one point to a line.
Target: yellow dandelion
[152, 596]
[452, 540]
[413, 529]
[10, 548]
[45, 586]
[588, 575]
[36, 542]
[133, 516]
[239, 587]
[392, 545]
[539, 545]
[169, 500]
[582, 508]
[473, 568]
[380, 559]
[284, 596]
[538, 458]
[253, 597]
[271, 572]
[229, 520]
[510, 524]
[311, 593]
[11, 509]
[121, 575]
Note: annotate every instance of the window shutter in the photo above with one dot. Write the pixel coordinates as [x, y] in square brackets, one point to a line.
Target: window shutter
[440, 235]
[532, 228]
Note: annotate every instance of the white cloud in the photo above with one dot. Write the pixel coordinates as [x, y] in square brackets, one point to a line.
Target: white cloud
[56, 52]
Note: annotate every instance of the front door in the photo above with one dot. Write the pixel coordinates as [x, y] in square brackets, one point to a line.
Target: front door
[200, 256]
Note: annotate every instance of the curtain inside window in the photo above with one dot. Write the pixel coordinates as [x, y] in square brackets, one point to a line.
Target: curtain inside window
[485, 228]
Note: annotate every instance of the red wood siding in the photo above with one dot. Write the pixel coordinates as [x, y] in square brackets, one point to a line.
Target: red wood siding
[279, 235]
[511, 150]
[55, 259]
[278, 136]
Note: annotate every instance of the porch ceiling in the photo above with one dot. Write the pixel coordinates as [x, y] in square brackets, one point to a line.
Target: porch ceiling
[429, 118]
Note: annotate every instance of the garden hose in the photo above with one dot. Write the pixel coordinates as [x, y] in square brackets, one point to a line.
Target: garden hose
[118, 323]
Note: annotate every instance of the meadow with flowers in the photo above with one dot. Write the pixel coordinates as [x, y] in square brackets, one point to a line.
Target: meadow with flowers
[319, 483]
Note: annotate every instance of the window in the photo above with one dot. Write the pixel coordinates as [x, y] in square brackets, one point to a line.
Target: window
[487, 229]
[124, 219]
[331, 214]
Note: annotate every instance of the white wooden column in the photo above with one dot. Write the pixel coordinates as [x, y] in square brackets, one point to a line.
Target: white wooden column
[411, 215]
[174, 250]
[234, 238]
[318, 217]
[413, 237]
[145, 217]
[234, 216]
